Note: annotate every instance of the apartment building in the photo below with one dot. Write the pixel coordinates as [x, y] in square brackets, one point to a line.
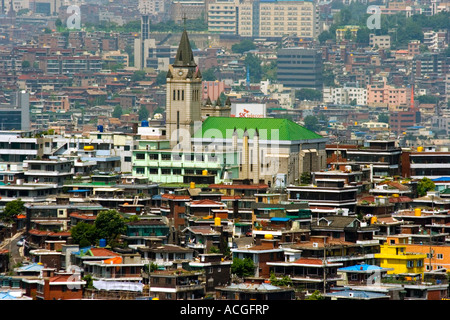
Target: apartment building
[381, 42]
[69, 65]
[264, 18]
[385, 95]
[345, 95]
[222, 17]
[300, 68]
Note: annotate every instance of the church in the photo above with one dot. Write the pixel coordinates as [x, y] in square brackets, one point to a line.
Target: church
[203, 144]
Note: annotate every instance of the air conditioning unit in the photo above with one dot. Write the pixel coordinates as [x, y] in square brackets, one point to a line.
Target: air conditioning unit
[315, 245]
[350, 294]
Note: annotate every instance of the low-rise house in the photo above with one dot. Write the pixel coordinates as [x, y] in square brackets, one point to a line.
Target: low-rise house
[166, 255]
[216, 271]
[137, 231]
[267, 251]
[124, 268]
[361, 274]
[400, 259]
[59, 286]
[344, 228]
[254, 289]
[176, 284]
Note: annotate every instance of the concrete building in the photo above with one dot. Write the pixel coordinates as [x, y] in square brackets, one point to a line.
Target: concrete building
[300, 68]
[16, 114]
[381, 42]
[223, 17]
[277, 18]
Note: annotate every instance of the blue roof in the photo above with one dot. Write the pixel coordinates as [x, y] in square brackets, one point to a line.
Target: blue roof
[279, 219]
[6, 296]
[361, 267]
[355, 294]
[441, 179]
[31, 267]
[79, 190]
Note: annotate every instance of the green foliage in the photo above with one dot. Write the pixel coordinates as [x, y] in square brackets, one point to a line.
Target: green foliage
[117, 111]
[315, 296]
[243, 46]
[311, 123]
[305, 178]
[139, 75]
[12, 210]
[424, 185]
[161, 78]
[214, 250]
[143, 113]
[383, 117]
[209, 75]
[269, 71]
[89, 281]
[427, 99]
[254, 64]
[109, 225]
[308, 94]
[84, 234]
[285, 281]
[243, 267]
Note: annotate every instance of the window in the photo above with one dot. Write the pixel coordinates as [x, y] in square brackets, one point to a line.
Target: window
[410, 264]
[439, 256]
[140, 156]
[140, 170]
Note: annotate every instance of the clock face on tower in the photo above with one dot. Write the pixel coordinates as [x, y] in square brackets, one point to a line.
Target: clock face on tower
[180, 73]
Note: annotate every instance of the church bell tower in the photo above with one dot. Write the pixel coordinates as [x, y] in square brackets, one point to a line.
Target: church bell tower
[183, 96]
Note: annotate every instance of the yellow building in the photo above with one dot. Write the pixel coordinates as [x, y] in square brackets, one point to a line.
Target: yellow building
[400, 259]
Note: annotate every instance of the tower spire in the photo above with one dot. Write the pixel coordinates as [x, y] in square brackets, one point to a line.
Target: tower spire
[184, 57]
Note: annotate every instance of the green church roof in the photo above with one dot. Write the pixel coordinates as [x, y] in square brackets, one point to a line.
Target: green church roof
[288, 130]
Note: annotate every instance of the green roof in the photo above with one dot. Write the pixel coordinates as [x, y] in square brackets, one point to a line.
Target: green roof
[288, 130]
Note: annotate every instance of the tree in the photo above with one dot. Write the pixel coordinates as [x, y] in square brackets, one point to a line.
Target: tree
[308, 94]
[161, 78]
[424, 185]
[311, 123]
[109, 225]
[383, 118]
[26, 64]
[138, 75]
[285, 281]
[117, 111]
[243, 46]
[83, 234]
[254, 64]
[243, 267]
[325, 35]
[209, 75]
[305, 178]
[143, 113]
[12, 210]
[315, 296]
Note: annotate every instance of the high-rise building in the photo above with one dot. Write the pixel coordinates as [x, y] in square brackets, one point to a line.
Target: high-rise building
[300, 68]
[142, 44]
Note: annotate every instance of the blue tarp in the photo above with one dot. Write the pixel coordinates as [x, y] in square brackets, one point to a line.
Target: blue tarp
[279, 219]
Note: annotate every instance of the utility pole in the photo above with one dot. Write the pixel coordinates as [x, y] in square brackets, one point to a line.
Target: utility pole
[324, 266]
